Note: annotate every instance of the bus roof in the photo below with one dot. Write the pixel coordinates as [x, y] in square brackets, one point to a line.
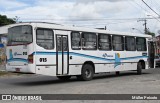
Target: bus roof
[4, 30]
[81, 29]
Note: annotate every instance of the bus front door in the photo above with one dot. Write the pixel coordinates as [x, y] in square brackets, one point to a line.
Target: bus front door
[62, 54]
[151, 54]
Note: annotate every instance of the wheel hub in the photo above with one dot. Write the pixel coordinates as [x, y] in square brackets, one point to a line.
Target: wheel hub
[87, 73]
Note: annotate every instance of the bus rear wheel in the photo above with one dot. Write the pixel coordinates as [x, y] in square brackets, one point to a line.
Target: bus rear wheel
[63, 78]
[87, 72]
[139, 68]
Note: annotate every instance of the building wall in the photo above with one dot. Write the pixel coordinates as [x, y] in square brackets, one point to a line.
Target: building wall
[3, 43]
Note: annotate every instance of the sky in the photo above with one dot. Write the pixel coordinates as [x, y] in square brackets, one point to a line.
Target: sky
[116, 15]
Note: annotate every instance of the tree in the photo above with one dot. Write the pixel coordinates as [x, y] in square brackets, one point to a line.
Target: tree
[5, 21]
[150, 33]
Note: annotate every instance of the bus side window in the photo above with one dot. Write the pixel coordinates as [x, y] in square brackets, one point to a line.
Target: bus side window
[89, 41]
[45, 38]
[75, 41]
[104, 42]
[118, 43]
[130, 43]
[141, 44]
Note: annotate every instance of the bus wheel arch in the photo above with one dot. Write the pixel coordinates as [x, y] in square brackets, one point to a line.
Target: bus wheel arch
[140, 66]
[90, 63]
[142, 63]
[87, 71]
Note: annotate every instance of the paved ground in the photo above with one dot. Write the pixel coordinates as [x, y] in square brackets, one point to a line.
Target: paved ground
[126, 83]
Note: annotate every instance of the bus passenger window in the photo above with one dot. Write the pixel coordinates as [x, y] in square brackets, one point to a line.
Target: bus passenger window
[89, 41]
[118, 43]
[104, 42]
[45, 38]
[130, 43]
[75, 41]
[141, 44]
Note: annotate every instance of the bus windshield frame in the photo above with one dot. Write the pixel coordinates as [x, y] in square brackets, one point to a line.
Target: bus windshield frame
[20, 35]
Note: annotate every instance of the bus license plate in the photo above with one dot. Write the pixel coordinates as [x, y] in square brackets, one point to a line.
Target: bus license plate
[17, 69]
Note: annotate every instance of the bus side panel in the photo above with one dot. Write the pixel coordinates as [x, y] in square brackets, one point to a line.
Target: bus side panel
[46, 70]
[132, 58]
[105, 61]
[75, 69]
[45, 59]
[137, 56]
[45, 62]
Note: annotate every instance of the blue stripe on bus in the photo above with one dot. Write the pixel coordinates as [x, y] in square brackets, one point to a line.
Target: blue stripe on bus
[136, 57]
[76, 54]
[72, 53]
[87, 56]
[44, 53]
[18, 59]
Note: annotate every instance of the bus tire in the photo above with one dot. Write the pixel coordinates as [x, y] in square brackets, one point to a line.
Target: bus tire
[139, 68]
[87, 72]
[117, 73]
[64, 78]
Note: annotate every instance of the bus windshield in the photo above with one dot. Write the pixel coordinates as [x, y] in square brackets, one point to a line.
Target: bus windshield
[20, 35]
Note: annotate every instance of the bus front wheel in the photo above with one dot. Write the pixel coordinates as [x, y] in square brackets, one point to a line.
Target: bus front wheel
[139, 68]
[87, 72]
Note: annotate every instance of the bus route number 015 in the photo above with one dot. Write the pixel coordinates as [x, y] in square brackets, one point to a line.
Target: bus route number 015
[43, 59]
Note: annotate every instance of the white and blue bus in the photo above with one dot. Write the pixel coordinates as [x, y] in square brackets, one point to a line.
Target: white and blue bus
[63, 51]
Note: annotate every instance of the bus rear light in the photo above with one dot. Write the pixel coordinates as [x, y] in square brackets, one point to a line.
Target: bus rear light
[30, 58]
